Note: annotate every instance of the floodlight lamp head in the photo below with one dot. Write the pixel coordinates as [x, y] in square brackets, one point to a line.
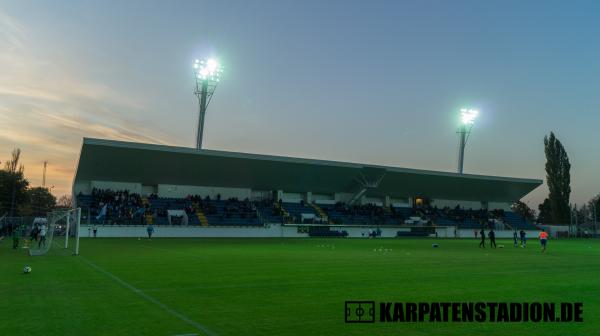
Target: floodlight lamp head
[468, 116]
[208, 69]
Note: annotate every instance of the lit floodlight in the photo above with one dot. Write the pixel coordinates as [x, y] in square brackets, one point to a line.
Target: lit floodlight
[209, 69]
[211, 64]
[468, 116]
[208, 75]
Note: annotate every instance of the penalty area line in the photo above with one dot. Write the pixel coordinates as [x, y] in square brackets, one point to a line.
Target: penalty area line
[150, 299]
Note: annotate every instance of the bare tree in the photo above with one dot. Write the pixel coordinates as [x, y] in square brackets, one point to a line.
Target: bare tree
[15, 182]
[64, 201]
[12, 165]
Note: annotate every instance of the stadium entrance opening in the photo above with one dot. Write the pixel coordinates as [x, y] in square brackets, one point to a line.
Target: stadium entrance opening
[421, 202]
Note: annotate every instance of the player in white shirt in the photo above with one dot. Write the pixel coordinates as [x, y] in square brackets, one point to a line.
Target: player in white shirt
[43, 231]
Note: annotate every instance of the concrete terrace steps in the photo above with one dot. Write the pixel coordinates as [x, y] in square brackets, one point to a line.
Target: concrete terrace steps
[318, 210]
[201, 216]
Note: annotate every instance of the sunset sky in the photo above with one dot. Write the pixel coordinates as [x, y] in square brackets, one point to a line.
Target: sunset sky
[376, 82]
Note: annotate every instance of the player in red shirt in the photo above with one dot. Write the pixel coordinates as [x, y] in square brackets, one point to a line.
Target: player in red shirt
[543, 240]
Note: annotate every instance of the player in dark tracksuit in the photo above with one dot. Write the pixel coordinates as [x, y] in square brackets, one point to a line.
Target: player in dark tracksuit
[523, 238]
[515, 238]
[16, 235]
[492, 236]
[150, 230]
[482, 234]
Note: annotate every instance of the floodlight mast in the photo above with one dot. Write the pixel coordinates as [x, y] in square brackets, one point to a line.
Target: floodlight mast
[202, 95]
[207, 74]
[467, 117]
[461, 148]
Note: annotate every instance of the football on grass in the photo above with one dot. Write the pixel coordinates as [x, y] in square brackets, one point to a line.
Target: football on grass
[26, 269]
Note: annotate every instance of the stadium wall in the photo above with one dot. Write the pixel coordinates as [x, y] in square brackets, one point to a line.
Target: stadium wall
[373, 200]
[500, 234]
[441, 203]
[132, 187]
[133, 231]
[295, 197]
[269, 231]
[273, 230]
[342, 197]
[400, 202]
[258, 195]
[500, 205]
[475, 205]
[322, 197]
[81, 187]
[182, 191]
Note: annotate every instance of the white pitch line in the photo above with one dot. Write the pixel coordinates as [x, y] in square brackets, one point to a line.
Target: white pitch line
[151, 299]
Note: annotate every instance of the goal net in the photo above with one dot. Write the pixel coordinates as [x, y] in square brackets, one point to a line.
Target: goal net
[59, 230]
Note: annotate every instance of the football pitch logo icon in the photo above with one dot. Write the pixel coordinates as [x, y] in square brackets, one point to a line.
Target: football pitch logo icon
[360, 311]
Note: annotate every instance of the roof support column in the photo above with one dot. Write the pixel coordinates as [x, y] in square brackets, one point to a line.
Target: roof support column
[278, 195]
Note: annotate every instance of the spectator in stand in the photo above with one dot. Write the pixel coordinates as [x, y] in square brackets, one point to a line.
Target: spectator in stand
[115, 206]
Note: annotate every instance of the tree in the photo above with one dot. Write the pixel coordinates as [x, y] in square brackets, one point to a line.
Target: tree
[524, 210]
[584, 214]
[558, 178]
[13, 184]
[594, 208]
[16, 198]
[64, 201]
[12, 165]
[40, 202]
[545, 212]
[578, 215]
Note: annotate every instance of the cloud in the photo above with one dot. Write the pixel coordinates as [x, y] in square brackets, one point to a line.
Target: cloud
[29, 92]
[11, 33]
[46, 109]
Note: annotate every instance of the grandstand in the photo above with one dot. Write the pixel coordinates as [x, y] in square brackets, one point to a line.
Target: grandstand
[124, 184]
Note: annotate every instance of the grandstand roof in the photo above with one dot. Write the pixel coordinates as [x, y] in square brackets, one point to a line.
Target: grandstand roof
[149, 164]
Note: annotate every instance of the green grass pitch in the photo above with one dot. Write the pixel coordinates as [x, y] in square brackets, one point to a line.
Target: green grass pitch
[285, 286]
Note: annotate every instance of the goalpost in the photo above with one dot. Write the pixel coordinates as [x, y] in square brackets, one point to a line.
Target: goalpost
[59, 222]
